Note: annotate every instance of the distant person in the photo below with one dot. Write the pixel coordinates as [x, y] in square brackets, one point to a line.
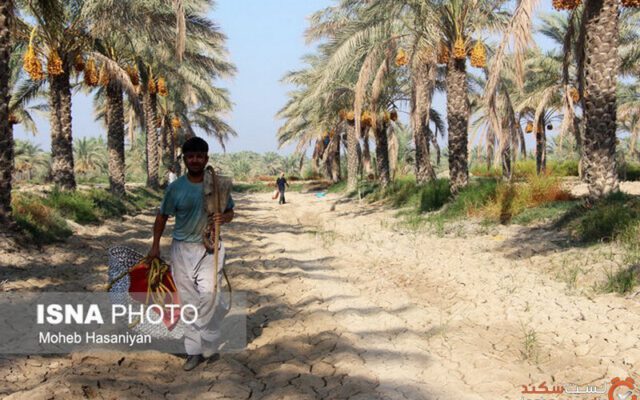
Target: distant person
[171, 176]
[281, 183]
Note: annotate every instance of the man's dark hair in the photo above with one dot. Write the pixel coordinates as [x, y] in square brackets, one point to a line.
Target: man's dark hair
[195, 145]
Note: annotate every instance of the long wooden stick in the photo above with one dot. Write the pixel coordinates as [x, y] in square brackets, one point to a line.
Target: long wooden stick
[216, 252]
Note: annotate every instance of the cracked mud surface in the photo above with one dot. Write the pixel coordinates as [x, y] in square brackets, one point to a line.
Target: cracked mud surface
[345, 305]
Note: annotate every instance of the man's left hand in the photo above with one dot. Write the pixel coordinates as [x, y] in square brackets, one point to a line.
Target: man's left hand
[223, 218]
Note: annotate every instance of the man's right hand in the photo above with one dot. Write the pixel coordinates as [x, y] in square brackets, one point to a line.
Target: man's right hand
[154, 252]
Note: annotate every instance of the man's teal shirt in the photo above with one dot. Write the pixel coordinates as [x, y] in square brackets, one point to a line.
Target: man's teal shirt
[185, 200]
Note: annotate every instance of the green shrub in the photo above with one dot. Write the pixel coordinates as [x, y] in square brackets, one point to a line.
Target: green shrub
[472, 198]
[621, 281]
[108, 205]
[256, 187]
[565, 168]
[607, 218]
[544, 212]
[40, 222]
[142, 198]
[629, 171]
[513, 199]
[337, 187]
[524, 169]
[77, 206]
[434, 195]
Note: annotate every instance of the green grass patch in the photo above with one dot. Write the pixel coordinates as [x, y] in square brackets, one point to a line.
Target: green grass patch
[471, 199]
[629, 171]
[606, 220]
[414, 199]
[527, 168]
[337, 187]
[108, 205]
[514, 198]
[262, 187]
[545, 212]
[255, 187]
[141, 198]
[434, 195]
[622, 281]
[77, 206]
[41, 223]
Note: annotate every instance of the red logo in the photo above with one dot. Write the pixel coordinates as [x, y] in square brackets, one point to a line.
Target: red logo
[617, 391]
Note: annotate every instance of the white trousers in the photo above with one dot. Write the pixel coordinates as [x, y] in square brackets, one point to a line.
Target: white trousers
[193, 275]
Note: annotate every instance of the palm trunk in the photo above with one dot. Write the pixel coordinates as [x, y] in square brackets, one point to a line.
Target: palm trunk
[366, 152]
[521, 140]
[382, 155]
[458, 118]
[332, 159]
[316, 157]
[633, 150]
[491, 143]
[541, 148]
[353, 157]
[421, 96]
[600, 78]
[115, 138]
[172, 149]
[6, 129]
[61, 139]
[149, 101]
[436, 146]
[392, 138]
[164, 141]
[335, 161]
[506, 156]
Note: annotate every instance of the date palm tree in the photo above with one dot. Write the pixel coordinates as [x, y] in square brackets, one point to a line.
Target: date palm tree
[598, 66]
[6, 129]
[90, 155]
[59, 35]
[30, 158]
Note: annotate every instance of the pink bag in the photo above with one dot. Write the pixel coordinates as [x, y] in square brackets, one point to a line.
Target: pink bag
[275, 194]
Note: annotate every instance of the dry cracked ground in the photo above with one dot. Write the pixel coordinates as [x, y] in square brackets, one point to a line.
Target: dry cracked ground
[345, 303]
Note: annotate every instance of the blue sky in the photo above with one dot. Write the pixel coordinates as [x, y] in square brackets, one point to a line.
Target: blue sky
[265, 40]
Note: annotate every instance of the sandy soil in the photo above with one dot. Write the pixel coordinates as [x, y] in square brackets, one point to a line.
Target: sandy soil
[346, 303]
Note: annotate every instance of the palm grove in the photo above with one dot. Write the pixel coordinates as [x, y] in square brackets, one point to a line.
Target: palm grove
[377, 57]
[150, 66]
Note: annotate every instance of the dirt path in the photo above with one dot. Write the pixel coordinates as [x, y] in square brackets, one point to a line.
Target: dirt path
[345, 304]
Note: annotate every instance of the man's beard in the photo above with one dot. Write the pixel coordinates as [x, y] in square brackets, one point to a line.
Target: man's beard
[192, 172]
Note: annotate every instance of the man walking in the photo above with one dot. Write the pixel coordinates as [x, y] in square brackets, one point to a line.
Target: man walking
[191, 265]
[281, 182]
